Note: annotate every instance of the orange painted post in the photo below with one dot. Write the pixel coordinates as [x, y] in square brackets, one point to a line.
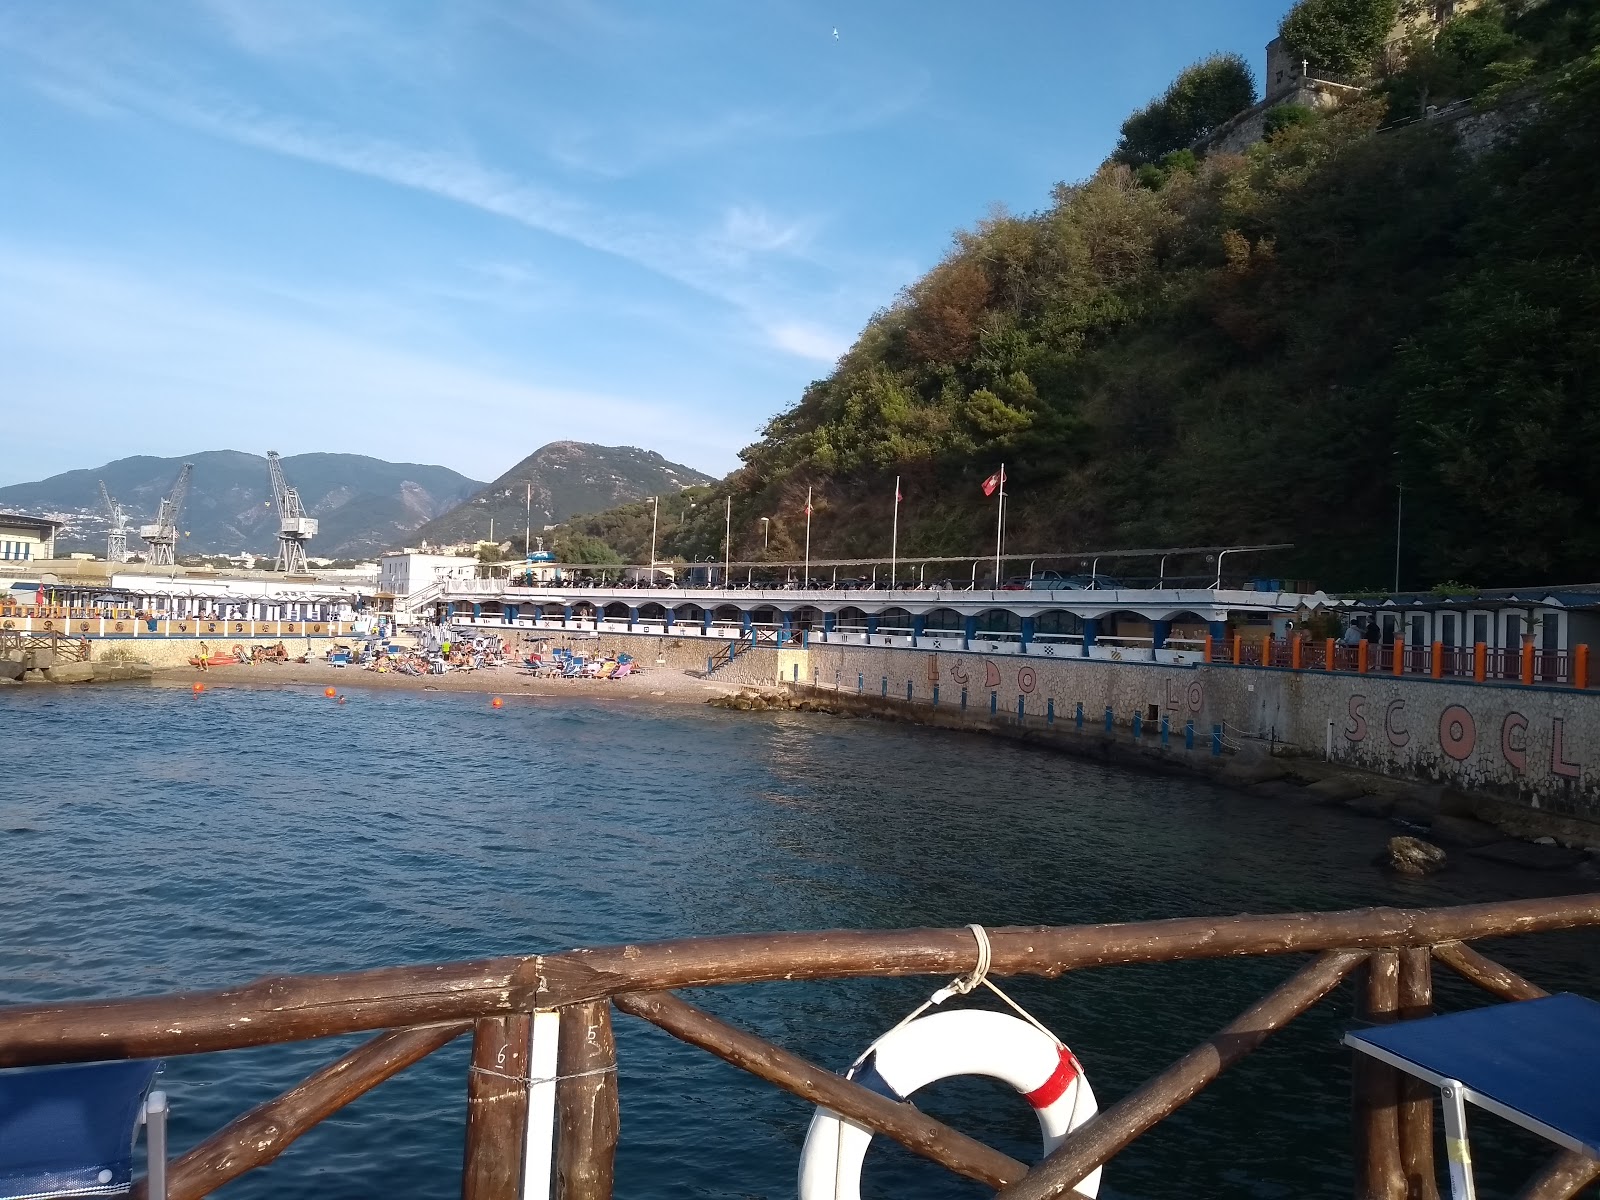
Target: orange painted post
[1296, 654]
[1208, 648]
[1580, 666]
[1238, 645]
[1436, 659]
[1266, 651]
[1527, 663]
[1329, 650]
[1362, 664]
[1399, 652]
[1480, 664]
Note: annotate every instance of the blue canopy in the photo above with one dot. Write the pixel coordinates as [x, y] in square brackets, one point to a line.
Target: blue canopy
[70, 1130]
[1534, 1062]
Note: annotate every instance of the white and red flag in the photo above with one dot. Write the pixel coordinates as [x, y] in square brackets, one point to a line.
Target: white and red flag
[994, 481]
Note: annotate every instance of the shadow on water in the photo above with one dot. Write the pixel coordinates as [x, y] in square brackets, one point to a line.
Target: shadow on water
[181, 842]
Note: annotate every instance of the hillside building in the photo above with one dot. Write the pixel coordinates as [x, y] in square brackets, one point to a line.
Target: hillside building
[25, 539]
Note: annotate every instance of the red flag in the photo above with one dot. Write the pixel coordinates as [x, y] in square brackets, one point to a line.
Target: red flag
[897, 496]
[994, 481]
[808, 508]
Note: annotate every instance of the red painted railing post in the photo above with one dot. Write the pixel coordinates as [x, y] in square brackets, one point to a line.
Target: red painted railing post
[1331, 649]
[1238, 647]
[1527, 663]
[1580, 666]
[1399, 652]
[1480, 668]
[1436, 659]
[1362, 665]
[1208, 648]
[1266, 651]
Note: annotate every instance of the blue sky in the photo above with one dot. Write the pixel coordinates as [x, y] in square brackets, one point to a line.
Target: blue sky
[450, 232]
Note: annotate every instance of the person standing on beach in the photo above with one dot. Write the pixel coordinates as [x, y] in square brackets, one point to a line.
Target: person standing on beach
[205, 654]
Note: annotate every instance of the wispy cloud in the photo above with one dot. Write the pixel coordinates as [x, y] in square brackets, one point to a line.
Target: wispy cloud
[808, 341]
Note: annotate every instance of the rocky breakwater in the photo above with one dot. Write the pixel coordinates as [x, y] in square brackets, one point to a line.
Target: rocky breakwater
[46, 666]
[770, 700]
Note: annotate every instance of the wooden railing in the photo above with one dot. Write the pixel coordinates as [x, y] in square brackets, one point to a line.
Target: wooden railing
[421, 1009]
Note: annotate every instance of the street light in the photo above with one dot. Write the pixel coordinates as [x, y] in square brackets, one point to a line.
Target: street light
[655, 511]
[766, 528]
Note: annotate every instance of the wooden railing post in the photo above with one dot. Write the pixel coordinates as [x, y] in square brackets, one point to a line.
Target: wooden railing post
[497, 1108]
[1379, 1175]
[586, 1100]
[1416, 1097]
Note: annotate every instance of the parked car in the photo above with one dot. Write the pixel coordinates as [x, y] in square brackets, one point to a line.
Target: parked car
[1053, 581]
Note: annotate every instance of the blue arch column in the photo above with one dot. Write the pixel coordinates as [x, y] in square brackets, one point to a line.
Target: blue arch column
[1027, 633]
[744, 619]
[705, 620]
[872, 625]
[1091, 630]
[783, 627]
[633, 615]
[918, 624]
[1161, 630]
[829, 621]
[513, 611]
[969, 630]
[566, 614]
[477, 611]
[1218, 630]
[670, 613]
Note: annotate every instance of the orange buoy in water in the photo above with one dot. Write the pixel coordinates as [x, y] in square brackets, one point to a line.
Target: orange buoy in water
[330, 693]
[497, 703]
[198, 688]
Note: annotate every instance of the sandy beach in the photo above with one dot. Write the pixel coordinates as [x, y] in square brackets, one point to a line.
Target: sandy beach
[660, 684]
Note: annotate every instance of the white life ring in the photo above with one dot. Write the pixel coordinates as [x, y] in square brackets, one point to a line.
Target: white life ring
[966, 1041]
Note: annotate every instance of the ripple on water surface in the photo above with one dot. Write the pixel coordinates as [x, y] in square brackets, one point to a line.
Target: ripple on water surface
[181, 841]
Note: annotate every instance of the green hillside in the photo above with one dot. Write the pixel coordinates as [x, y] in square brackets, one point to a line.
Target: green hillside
[1257, 347]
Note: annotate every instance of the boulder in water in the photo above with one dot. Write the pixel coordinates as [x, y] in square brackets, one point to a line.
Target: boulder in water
[1413, 856]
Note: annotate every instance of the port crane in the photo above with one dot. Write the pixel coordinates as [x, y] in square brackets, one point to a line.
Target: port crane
[162, 536]
[117, 534]
[294, 527]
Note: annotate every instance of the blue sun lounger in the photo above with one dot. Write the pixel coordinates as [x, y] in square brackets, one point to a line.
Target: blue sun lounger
[1534, 1062]
[69, 1131]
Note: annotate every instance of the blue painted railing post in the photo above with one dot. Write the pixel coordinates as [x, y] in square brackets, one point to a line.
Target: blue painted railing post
[1050, 711]
[861, 682]
[705, 622]
[633, 616]
[708, 664]
[1077, 716]
[994, 703]
[1216, 741]
[1019, 710]
[1188, 734]
[886, 686]
[963, 699]
[969, 630]
[1027, 633]
[1165, 734]
[1091, 630]
[1138, 724]
[908, 689]
[936, 695]
[1110, 719]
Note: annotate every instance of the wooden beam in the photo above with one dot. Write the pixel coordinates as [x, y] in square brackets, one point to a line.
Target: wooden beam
[1416, 1097]
[1112, 1129]
[1379, 1173]
[497, 1108]
[1562, 1178]
[587, 1103]
[913, 1129]
[1486, 973]
[291, 1008]
[260, 1135]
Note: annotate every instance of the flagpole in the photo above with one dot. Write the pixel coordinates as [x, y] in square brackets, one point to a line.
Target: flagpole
[808, 538]
[894, 537]
[999, 526]
[727, 541]
[527, 538]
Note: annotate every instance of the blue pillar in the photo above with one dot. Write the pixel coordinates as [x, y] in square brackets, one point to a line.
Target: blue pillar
[513, 611]
[908, 689]
[861, 682]
[783, 628]
[1091, 630]
[705, 620]
[963, 699]
[1165, 732]
[1188, 734]
[1162, 631]
[1218, 631]
[633, 615]
[744, 621]
[936, 695]
[1027, 633]
[969, 630]
[1111, 719]
[829, 620]
[1050, 711]
[1019, 710]
[886, 686]
[1077, 717]
[477, 611]
[1216, 741]
[994, 703]
[805, 639]
[670, 614]
[566, 613]
[872, 625]
[918, 624]
[1138, 723]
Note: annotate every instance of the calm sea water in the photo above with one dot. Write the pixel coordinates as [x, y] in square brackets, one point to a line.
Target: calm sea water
[160, 841]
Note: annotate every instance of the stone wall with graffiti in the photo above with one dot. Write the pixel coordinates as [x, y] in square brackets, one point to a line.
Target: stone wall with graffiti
[1539, 746]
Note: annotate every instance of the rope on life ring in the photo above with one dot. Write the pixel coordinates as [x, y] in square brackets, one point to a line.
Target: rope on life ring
[83, 626]
[119, 627]
[967, 1041]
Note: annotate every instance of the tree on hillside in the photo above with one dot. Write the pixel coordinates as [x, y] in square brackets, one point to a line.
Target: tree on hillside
[1201, 98]
[1339, 37]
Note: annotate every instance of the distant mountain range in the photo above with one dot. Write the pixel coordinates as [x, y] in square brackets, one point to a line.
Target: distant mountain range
[567, 478]
[364, 504]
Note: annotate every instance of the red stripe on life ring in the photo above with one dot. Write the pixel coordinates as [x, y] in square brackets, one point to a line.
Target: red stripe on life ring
[1052, 1089]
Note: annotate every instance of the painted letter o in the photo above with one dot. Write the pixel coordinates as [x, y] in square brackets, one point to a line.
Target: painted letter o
[1458, 733]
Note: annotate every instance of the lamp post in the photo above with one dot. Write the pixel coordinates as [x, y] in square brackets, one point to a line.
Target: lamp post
[655, 511]
[766, 528]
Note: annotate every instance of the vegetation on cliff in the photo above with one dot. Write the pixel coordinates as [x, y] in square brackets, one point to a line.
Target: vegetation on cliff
[1247, 348]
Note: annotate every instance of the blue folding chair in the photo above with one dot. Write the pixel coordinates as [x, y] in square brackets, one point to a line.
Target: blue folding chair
[1533, 1062]
[70, 1131]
